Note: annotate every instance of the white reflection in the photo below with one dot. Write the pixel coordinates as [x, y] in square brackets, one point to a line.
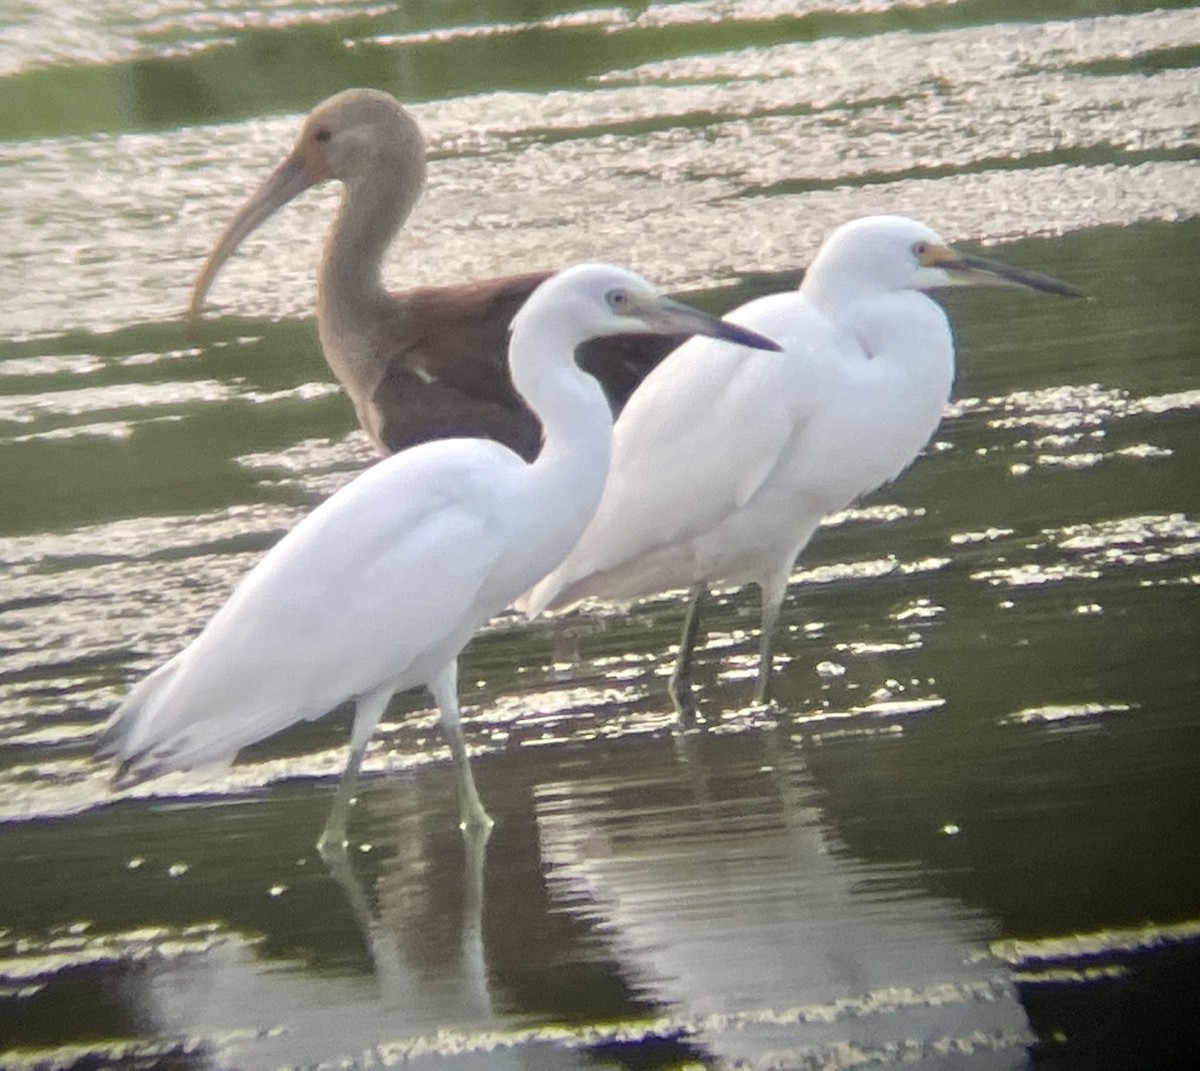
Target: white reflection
[394, 979]
[244, 1011]
[731, 904]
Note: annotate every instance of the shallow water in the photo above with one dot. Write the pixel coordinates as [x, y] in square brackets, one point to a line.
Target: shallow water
[968, 835]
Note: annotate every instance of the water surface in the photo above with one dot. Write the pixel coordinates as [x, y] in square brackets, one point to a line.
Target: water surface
[967, 837]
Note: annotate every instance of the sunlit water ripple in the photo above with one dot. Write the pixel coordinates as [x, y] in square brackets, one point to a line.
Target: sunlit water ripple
[983, 672]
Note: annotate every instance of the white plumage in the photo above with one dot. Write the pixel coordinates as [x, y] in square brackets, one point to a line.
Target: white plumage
[382, 585]
[723, 468]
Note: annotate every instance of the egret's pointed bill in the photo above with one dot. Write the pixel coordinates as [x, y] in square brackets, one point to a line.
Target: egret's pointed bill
[663, 315]
[968, 270]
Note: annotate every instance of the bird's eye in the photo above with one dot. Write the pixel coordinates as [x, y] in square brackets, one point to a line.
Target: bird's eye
[920, 249]
[617, 300]
[324, 134]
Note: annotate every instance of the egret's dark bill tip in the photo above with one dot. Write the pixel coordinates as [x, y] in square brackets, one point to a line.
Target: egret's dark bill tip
[1047, 284]
[1030, 280]
[745, 337]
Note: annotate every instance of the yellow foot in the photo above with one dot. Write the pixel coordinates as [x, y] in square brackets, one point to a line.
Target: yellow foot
[475, 820]
[332, 842]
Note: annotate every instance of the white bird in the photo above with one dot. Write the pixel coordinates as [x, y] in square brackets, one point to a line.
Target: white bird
[722, 468]
[381, 586]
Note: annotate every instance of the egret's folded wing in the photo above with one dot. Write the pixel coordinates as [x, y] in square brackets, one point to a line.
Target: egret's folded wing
[379, 579]
[695, 443]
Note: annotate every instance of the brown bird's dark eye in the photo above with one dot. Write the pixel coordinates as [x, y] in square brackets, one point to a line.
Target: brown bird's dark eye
[323, 135]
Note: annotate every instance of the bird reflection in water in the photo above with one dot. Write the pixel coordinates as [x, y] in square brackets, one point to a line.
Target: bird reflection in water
[394, 976]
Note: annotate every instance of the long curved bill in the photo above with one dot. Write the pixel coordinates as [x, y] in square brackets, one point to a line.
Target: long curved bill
[291, 178]
[666, 316]
[966, 270]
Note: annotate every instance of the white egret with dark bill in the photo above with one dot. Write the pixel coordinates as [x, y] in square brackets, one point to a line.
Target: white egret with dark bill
[723, 468]
[383, 584]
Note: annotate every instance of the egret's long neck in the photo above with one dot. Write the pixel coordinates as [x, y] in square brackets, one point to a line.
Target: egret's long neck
[576, 419]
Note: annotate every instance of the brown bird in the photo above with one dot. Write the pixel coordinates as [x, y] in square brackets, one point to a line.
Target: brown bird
[422, 364]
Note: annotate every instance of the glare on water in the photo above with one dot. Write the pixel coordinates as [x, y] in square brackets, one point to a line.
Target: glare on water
[966, 833]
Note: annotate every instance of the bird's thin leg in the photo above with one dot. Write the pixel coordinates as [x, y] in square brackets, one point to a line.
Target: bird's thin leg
[680, 684]
[445, 693]
[773, 592]
[473, 952]
[368, 710]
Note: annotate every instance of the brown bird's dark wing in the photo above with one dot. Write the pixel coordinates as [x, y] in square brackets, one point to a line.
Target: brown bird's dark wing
[447, 375]
[621, 362]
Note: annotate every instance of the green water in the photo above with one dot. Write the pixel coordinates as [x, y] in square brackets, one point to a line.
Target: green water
[968, 835]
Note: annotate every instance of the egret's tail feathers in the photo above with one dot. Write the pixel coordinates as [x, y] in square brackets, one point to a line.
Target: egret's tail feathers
[527, 605]
[130, 773]
[132, 768]
[151, 763]
[669, 567]
[130, 724]
[146, 766]
[543, 597]
[559, 592]
[111, 738]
